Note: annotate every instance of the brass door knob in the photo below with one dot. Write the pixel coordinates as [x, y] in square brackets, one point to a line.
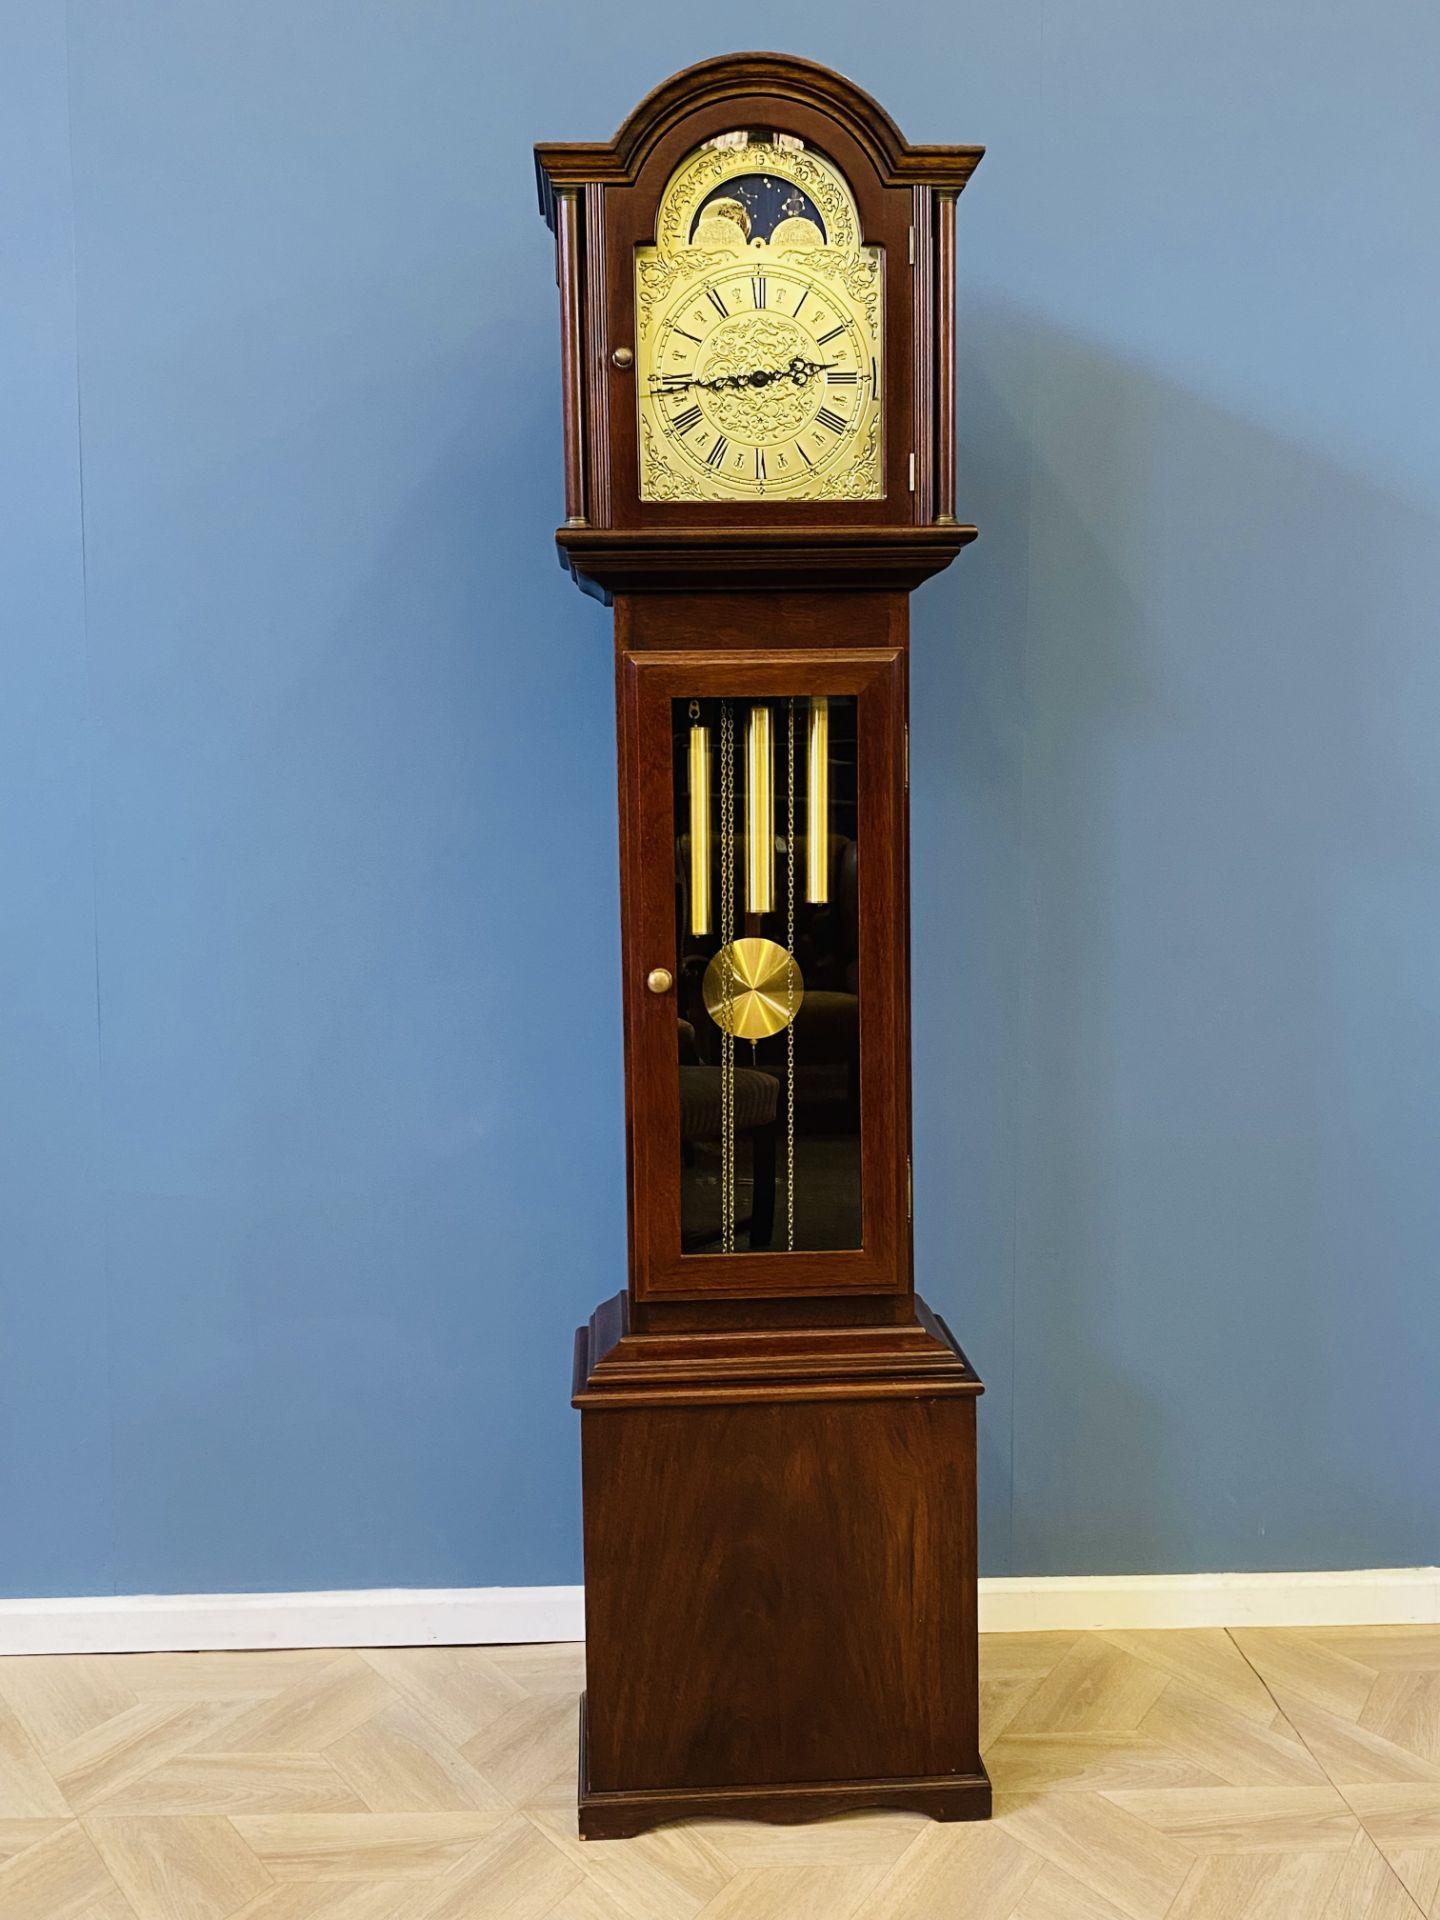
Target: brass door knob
[659, 980]
[622, 358]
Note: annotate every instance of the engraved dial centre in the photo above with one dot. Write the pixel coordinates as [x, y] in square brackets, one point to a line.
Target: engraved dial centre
[764, 351]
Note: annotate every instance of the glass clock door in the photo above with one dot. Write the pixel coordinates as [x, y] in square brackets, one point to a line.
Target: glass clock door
[767, 908]
[768, 1070]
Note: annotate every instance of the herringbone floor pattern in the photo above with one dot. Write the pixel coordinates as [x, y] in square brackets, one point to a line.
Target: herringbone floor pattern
[1138, 1776]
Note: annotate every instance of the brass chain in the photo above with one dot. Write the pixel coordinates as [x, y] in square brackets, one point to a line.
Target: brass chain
[790, 979]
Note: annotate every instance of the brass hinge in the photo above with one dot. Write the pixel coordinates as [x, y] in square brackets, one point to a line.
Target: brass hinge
[907, 756]
[912, 473]
[912, 246]
[909, 1189]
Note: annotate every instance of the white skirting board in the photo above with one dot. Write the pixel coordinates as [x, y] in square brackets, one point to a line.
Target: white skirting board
[1374, 1597]
[494, 1616]
[216, 1622]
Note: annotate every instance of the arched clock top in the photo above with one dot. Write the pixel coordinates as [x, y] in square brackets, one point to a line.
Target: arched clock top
[732, 77]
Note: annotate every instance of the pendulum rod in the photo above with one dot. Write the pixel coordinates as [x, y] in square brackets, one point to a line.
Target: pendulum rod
[699, 823]
[790, 978]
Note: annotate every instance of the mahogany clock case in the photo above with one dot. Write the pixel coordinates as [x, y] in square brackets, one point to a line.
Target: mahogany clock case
[778, 1437]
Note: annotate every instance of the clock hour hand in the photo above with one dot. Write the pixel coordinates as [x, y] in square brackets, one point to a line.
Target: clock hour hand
[803, 371]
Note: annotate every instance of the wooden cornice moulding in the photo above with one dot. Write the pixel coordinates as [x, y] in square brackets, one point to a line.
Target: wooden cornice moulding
[738, 77]
[609, 560]
[615, 1366]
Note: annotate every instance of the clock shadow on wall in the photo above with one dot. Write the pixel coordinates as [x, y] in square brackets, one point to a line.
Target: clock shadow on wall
[1070, 649]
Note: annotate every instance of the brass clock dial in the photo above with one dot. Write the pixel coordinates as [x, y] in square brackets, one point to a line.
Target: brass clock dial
[760, 380]
[759, 347]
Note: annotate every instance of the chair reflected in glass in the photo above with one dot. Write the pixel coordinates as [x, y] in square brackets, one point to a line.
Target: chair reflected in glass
[757, 1097]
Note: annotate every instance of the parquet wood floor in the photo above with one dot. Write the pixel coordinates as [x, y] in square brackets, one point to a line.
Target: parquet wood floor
[1253, 1775]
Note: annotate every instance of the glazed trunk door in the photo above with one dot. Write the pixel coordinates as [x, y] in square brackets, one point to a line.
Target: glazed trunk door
[763, 859]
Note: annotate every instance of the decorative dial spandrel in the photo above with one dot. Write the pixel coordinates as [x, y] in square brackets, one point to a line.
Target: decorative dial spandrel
[758, 332]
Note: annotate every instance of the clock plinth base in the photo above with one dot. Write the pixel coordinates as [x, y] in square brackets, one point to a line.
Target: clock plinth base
[780, 1588]
[621, 1816]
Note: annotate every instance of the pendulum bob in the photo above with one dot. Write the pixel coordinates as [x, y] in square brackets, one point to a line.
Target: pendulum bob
[752, 989]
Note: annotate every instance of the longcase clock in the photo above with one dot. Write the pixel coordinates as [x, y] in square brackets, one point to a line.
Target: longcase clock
[778, 1437]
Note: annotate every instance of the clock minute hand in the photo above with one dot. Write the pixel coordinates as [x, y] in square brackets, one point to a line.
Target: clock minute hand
[801, 372]
[672, 383]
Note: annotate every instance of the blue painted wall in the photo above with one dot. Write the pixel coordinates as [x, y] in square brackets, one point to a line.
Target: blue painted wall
[306, 756]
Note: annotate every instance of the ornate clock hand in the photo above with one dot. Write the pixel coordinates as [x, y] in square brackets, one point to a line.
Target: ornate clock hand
[799, 371]
[672, 383]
